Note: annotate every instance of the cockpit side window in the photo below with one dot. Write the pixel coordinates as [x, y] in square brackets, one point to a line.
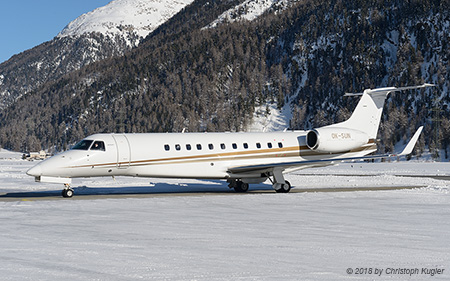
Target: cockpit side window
[83, 145]
[98, 145]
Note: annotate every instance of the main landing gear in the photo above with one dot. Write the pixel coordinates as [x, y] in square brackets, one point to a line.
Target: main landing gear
[283, 187]
[238, 185]
[67, 191]
[279, 184]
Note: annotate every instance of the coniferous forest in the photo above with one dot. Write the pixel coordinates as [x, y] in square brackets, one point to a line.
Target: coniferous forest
[308, 55]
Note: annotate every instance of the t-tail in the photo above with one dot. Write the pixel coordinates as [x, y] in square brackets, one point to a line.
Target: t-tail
[367, 115]
[360, 129]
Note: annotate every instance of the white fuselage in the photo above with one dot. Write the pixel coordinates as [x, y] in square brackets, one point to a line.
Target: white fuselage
[183, 155]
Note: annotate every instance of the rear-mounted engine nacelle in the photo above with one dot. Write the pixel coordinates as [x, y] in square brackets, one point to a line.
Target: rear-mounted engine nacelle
[333, 140]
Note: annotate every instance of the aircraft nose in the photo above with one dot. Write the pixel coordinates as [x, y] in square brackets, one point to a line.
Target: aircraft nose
[35, 171]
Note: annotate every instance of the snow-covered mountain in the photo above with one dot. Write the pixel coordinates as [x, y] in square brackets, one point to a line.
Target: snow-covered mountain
[108, 31]
[121, 17]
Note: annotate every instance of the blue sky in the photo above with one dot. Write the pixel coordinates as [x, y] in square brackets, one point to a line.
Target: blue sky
[28, 23]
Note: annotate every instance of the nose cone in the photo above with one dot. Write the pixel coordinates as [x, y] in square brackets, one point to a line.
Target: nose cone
[36, 171]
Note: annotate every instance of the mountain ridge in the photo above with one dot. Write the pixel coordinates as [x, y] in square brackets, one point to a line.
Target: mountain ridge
[93, 36]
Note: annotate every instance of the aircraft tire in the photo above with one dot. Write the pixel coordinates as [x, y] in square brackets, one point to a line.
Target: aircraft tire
[285, 188]
[241, 187]
[67, 193]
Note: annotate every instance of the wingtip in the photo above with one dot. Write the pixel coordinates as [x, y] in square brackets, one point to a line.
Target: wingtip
[410, 146]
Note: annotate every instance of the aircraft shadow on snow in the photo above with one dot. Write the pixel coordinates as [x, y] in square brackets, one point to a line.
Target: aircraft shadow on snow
[185, 189]
[216, 187]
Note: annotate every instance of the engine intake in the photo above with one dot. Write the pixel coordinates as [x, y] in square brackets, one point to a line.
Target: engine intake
[335, 139]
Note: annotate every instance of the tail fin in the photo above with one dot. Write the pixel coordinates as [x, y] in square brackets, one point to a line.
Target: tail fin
[367, 114]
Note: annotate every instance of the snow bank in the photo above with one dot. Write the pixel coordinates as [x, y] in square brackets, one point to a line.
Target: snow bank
[6, 154]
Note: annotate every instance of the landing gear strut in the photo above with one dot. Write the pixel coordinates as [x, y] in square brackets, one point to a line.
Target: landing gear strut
[279, 183]
[67, 191]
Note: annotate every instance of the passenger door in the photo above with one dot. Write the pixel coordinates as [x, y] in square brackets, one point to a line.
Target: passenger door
[123, 151]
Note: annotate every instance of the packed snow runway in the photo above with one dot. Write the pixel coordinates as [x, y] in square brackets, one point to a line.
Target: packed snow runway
[192, 235]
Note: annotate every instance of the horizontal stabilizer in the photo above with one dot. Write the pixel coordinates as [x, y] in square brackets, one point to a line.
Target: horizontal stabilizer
[388, 90]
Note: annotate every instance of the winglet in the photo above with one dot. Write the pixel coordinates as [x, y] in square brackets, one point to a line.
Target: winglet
[410, 146]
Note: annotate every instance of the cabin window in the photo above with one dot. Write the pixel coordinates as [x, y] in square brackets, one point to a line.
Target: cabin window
[199, 146]
[222, 145]
[83, 145]
[280, 145]
[178, 147]
[98, 145]
[269, 145]
[245, 145]
[188, 147]
[234, 146]
[258, 145]
[166, 147]
[211, 146]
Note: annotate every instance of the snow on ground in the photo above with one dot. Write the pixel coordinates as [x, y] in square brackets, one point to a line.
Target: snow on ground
[403, 168]
[226, 236]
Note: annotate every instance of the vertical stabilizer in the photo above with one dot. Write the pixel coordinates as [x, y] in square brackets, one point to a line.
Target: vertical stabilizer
[367, 114]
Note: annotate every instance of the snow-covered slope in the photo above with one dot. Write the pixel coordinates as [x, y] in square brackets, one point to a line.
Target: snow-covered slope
[268, 118]
[250, 10]
[124, 16]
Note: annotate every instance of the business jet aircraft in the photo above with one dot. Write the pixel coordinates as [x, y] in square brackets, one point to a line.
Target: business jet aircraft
[239, 158]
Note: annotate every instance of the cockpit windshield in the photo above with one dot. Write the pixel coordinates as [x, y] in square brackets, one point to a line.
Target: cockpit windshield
[83, 145]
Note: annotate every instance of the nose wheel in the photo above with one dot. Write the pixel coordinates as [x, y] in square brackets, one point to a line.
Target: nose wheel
[67, 191]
